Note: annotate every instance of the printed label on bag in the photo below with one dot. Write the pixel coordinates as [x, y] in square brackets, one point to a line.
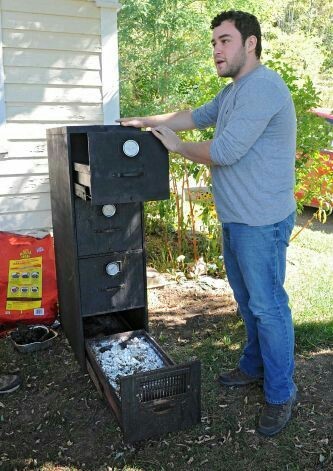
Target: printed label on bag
[39, 312]
[22, 305]
[24, 284]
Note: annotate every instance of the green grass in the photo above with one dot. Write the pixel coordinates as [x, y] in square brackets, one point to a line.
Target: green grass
[310, 287]
[57, 422]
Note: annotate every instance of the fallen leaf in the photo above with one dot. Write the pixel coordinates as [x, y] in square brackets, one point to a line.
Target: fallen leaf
[324, 441]
[240, 428]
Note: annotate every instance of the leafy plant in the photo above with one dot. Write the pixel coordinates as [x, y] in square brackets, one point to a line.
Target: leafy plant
[165, 65]
[313, 172]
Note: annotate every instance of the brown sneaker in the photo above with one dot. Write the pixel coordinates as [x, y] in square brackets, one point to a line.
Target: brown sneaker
[274, 417]
[9, 383]
[236, 377]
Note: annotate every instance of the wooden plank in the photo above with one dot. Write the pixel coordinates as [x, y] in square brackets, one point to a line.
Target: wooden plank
[24, 185]
[110, 72]
[2, 81]
[21, 203]
[26, 221]
[50, 41]
[52, 23]
[37, 131]
[41, 94]
[60, 7]
[54, 59]
[26, 148]
[52, 76]
[23, 167]
[55, 113]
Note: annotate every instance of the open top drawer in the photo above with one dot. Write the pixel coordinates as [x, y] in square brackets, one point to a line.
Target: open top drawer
[148, 403]
[121, 166]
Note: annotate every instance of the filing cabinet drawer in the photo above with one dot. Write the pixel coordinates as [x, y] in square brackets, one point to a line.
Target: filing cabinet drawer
[109, 228]
[112, 282]
[122, 166]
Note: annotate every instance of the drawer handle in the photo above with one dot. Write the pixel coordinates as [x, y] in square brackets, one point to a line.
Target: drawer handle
[163, 408]
[112, 288]
[106, 231]
[127, 174]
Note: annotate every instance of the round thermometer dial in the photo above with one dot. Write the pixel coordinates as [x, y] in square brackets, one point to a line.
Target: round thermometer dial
[109, 210]
[112, 268]
[131, 148]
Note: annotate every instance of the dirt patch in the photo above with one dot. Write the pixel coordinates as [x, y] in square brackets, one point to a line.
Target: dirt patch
[57, 421]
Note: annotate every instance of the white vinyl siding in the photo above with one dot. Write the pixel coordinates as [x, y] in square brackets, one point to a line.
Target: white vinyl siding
[51, 59]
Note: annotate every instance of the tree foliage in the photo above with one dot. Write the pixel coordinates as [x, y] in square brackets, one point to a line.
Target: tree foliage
[166, 64]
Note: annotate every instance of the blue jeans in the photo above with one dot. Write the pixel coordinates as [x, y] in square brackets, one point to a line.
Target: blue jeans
[255, 261]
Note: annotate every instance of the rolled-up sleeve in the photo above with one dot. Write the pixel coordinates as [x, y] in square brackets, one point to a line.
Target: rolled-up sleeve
[206, 115]
[255, 106]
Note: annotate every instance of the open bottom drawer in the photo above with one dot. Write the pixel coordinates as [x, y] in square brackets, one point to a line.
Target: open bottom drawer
[150, 403]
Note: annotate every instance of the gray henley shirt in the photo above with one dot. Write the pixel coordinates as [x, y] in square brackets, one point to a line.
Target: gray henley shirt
[253, 149]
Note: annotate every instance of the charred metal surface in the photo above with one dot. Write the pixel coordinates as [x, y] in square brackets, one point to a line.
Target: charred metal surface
[100, 176]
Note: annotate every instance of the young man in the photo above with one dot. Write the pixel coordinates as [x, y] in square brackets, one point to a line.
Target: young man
[252, 164]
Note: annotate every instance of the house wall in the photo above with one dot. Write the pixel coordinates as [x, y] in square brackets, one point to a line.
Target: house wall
[52, 75]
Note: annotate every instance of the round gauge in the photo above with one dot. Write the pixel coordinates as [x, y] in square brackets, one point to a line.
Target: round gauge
[112, 268]
[131, 148]
[109, 210]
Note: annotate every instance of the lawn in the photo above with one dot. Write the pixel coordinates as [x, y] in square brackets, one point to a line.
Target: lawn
[310, 286]
[58, 422]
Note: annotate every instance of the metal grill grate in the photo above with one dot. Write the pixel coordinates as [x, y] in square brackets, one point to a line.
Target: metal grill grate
[164, 386]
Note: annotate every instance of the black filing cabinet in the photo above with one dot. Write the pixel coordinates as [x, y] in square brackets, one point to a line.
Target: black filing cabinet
[100, 176]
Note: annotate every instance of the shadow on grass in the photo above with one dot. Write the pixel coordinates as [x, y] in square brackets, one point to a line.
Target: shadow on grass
[312, 336]
[219, 326]
[57, 418]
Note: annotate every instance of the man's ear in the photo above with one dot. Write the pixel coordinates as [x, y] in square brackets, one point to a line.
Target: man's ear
[251, 43]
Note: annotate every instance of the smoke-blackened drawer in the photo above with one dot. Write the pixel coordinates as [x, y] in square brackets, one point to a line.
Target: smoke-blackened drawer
[112, 282]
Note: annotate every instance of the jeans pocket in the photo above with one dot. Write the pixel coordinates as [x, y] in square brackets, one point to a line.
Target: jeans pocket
[226, 233]
[289, 224]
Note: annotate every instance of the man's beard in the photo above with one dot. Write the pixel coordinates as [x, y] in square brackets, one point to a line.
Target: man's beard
[234, 68]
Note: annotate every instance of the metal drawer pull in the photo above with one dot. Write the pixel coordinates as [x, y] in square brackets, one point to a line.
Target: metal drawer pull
[161, 409]
[127, 174]
[106, 231]
[112, 288]
[112, 268]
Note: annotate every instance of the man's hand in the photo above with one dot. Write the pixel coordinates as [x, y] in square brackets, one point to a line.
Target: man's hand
[178, 121]
[136, 122]
[168, 138]
[195, 151]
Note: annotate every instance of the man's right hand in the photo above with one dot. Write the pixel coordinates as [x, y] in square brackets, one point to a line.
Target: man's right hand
[178, 121]
[135, 122]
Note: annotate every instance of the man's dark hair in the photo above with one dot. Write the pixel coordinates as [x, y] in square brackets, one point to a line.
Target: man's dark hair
[247, 25]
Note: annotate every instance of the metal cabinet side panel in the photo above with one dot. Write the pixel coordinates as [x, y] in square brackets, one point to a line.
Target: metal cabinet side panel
[60, 170]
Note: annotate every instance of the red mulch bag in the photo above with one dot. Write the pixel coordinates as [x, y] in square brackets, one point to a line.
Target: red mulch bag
[28, 288]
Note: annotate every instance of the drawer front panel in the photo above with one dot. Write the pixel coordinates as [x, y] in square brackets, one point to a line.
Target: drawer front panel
[98, 233]
[121, 178]
[113, 282]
